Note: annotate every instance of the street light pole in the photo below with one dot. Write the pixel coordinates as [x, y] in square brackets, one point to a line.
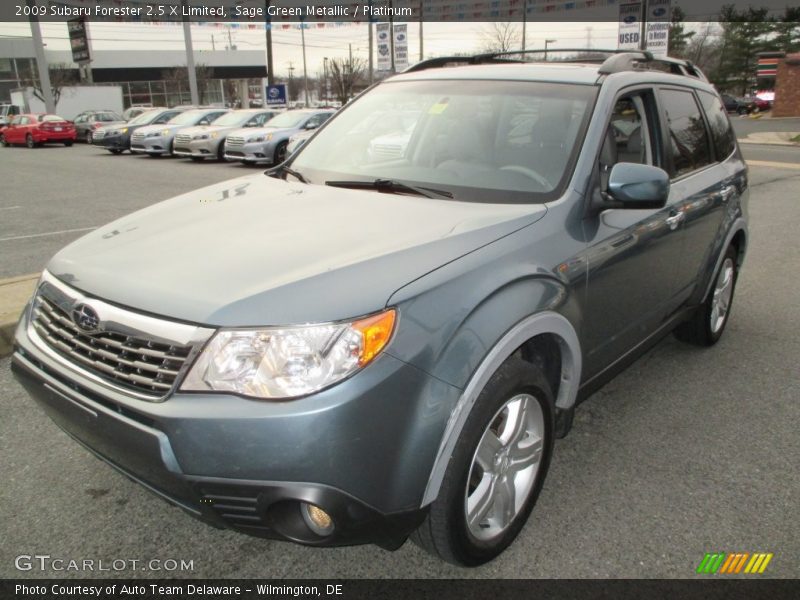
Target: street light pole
[305, 70]
[187, 38]
[268, 26]
[41, 63]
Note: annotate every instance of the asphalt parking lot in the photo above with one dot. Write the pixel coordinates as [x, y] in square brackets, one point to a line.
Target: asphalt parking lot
[689, 451]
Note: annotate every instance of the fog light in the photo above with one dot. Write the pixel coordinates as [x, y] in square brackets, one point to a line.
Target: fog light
[317, 519]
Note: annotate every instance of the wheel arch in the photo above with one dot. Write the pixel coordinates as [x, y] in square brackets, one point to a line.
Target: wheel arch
[545, 338]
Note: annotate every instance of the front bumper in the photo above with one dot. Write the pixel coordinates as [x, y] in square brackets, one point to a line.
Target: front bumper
[154, 145]
[256, 152]
[198, 148]
[113, 142]
[356, 449]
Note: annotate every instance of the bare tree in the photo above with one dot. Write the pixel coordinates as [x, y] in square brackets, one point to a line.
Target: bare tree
[346, 74]
[61, 76]
[501, 37]
[180, 76]
[704, 48]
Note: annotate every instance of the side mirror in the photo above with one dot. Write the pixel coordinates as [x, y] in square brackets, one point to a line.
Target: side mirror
[631, 185]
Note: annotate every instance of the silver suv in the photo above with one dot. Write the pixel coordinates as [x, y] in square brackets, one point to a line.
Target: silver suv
[354, 349]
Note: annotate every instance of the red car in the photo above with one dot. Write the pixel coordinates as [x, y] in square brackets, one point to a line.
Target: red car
[35, 129]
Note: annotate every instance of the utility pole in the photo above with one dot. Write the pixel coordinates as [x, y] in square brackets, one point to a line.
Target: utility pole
[421, 37]
[325, 77]
[371, 58]
[41, 62]
[305, 71]
[524, 22]
[187, 38]
[268, 26]
[643, 34]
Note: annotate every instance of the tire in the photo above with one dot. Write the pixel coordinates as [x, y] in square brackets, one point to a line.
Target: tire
[197, 158]
[490, 428]
[280, 153]
[3, 141]
[742, 110]
[115, 151]
[29, 141]
[707, 323]
[221, 151]
[88, 137]
[68, 143]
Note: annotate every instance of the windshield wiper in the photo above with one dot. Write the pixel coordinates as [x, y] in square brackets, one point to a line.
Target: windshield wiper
[276, 171]
[391, 186]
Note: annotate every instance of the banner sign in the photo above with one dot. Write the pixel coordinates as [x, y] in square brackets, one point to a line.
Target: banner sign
[630, 26]
[658, 18]
[79, 41]
[400, 47]
[383, 44]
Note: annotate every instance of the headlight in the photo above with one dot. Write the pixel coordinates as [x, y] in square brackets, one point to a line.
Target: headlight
[165, 132]
[287, 362]
[214, 135]
[259, 138]
[123, 130]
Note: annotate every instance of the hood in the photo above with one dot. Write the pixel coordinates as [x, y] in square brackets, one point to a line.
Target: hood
[200, 129]
[249, 131]
[260, 251]
[155, 128]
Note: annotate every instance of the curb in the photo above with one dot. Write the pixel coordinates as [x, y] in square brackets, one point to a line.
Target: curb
[14, 294]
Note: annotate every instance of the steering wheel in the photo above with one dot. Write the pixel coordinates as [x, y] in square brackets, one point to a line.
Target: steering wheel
[528, 173]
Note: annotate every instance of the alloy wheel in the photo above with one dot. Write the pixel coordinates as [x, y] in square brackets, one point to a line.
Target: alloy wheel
[504, 467]
[723, 290]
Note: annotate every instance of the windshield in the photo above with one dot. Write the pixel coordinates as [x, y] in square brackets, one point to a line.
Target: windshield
[234, 119]
[190, 117]
[481, 141]
[51, 118]
[107, 117]
[287, 120]
[145, 117]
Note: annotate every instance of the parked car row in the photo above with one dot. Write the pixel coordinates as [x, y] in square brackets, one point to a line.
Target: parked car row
[252, 136]
[745, 106]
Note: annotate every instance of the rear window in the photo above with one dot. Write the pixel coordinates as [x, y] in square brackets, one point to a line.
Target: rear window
[688, 138]
[46, 118]
[720, 125]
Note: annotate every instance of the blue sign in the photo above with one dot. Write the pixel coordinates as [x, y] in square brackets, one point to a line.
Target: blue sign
[276, 94]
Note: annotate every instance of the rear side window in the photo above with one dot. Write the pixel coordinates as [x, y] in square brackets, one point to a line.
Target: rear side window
[688, 139]
[720, 125]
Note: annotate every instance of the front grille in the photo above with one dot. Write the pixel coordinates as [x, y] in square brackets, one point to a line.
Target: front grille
[99, 134]
[137, 137]
[234, 141]
[183, 138]
[133, 363]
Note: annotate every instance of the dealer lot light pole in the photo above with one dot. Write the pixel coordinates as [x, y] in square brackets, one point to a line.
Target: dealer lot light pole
[187, 38]
[41, 61]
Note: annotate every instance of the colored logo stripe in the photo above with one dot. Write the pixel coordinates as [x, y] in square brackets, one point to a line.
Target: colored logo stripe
[734, 562]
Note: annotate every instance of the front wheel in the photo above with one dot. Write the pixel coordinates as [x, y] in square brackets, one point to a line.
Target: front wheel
[706, 325]
[496, 471]
[115, 151]
[29, 141]
[3, 141]
[68, 143]
[280, 153]
[88, 137]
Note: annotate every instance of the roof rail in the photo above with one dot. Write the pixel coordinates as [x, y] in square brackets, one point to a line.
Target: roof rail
[621, 60]
[631, 60]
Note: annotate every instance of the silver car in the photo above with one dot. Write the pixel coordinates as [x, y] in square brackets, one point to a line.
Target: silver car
[268, 144]
[157, 140]
[208, 141]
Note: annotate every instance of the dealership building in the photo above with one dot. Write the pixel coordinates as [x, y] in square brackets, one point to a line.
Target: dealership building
[156, 77]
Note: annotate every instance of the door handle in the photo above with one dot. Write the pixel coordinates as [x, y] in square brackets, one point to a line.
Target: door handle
[675, 220]
[727, 192]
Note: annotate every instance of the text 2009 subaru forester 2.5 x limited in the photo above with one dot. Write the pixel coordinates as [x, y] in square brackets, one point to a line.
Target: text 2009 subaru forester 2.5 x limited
[365, 345]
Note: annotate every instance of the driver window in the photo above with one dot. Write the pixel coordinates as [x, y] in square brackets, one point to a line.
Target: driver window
[627, 138]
